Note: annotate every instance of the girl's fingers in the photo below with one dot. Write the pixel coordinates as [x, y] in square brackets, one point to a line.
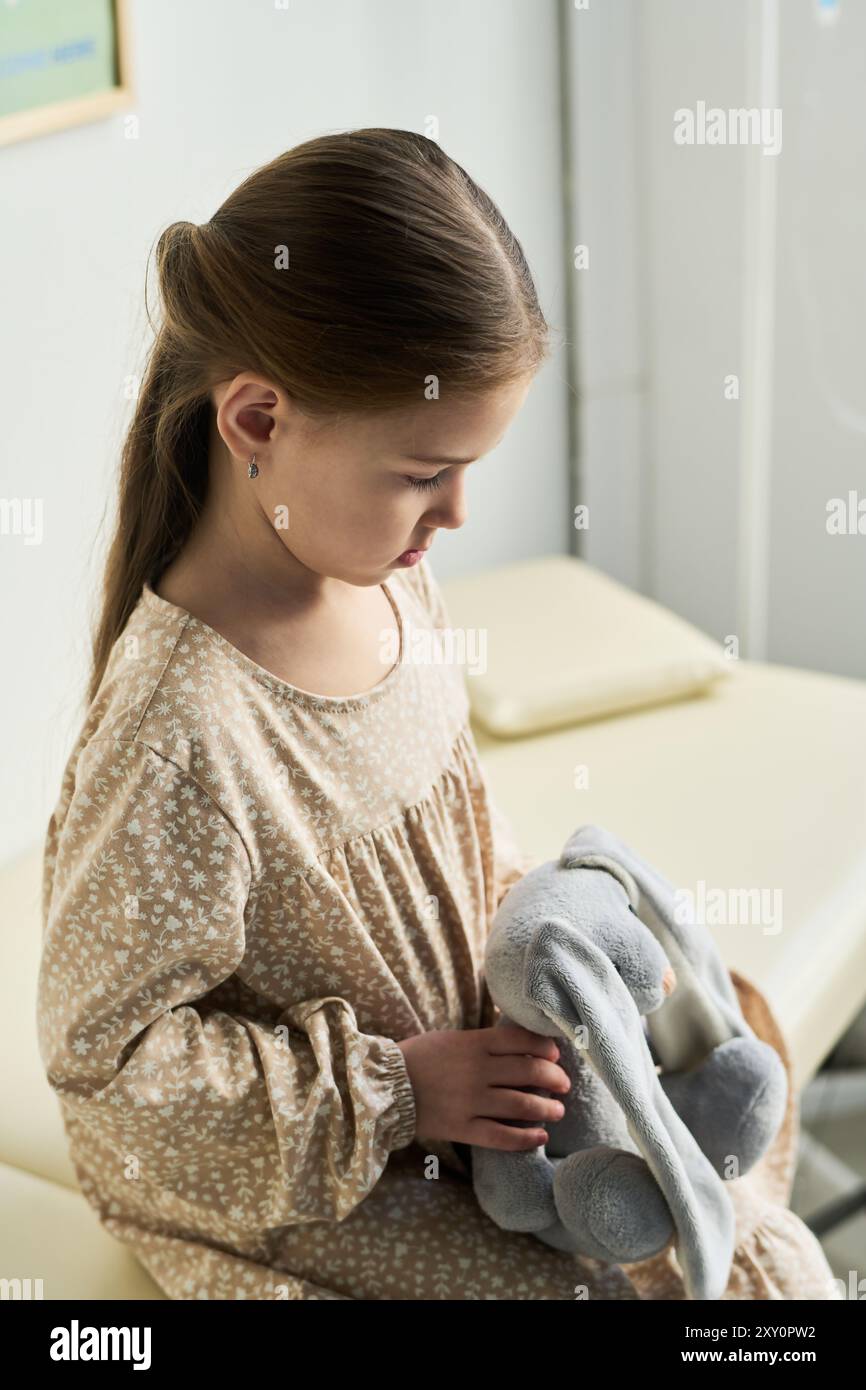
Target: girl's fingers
[526, 1071]
[499, 1103]
[487, 1134]
[512, 1040]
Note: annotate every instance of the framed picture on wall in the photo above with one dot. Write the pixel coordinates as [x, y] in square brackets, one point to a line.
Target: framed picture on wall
[62, 62]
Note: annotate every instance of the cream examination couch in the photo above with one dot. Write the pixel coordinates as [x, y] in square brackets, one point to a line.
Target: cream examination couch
[759, 780]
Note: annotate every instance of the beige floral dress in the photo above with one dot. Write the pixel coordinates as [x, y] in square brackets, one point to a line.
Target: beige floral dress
[250, 892]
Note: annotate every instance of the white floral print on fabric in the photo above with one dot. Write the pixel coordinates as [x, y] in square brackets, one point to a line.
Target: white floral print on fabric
[250, 894]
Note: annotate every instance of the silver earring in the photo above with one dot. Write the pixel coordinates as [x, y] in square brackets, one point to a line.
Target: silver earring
[253, 470]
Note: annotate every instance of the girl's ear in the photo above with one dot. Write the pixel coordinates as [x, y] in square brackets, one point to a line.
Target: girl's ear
[245, 417]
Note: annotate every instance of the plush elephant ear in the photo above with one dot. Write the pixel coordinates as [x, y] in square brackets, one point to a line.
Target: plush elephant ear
[703, 1011]
[574, 984]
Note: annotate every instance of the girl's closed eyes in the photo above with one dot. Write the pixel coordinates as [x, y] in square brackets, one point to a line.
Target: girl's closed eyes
[435, 481]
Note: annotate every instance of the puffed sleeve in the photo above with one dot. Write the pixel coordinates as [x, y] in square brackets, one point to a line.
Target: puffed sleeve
[270, 1123]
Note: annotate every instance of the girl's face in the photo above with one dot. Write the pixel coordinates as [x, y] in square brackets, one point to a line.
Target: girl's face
[347, 499]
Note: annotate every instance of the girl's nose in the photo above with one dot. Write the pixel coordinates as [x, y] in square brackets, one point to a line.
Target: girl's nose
[450, 520]
[449, 509]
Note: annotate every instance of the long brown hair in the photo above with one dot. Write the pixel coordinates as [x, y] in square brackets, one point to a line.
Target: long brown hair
[400, 268]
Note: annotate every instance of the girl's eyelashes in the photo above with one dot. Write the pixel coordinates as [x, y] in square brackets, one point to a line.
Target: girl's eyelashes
[424, 483]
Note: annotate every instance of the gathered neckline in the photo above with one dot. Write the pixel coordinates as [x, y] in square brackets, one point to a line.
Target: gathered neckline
[268, 678]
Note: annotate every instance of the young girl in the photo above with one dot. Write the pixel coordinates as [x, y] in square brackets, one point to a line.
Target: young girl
[274, 860]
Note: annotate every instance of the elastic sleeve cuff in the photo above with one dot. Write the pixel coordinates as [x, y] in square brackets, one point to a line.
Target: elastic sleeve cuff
[403, 1110]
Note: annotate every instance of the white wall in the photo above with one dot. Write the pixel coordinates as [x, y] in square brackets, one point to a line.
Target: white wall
[716, 260]
[223, 86]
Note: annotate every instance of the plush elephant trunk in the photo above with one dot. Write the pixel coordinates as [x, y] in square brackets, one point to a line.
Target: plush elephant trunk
[585, 948]
[576, 987]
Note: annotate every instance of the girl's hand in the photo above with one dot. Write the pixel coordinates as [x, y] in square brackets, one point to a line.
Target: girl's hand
[465, 1083]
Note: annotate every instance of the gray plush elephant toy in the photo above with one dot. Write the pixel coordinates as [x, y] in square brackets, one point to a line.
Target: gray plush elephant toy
[672, 1092]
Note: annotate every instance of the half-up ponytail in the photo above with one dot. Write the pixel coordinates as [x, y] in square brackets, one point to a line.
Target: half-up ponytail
[164, 460]
[350, 271]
